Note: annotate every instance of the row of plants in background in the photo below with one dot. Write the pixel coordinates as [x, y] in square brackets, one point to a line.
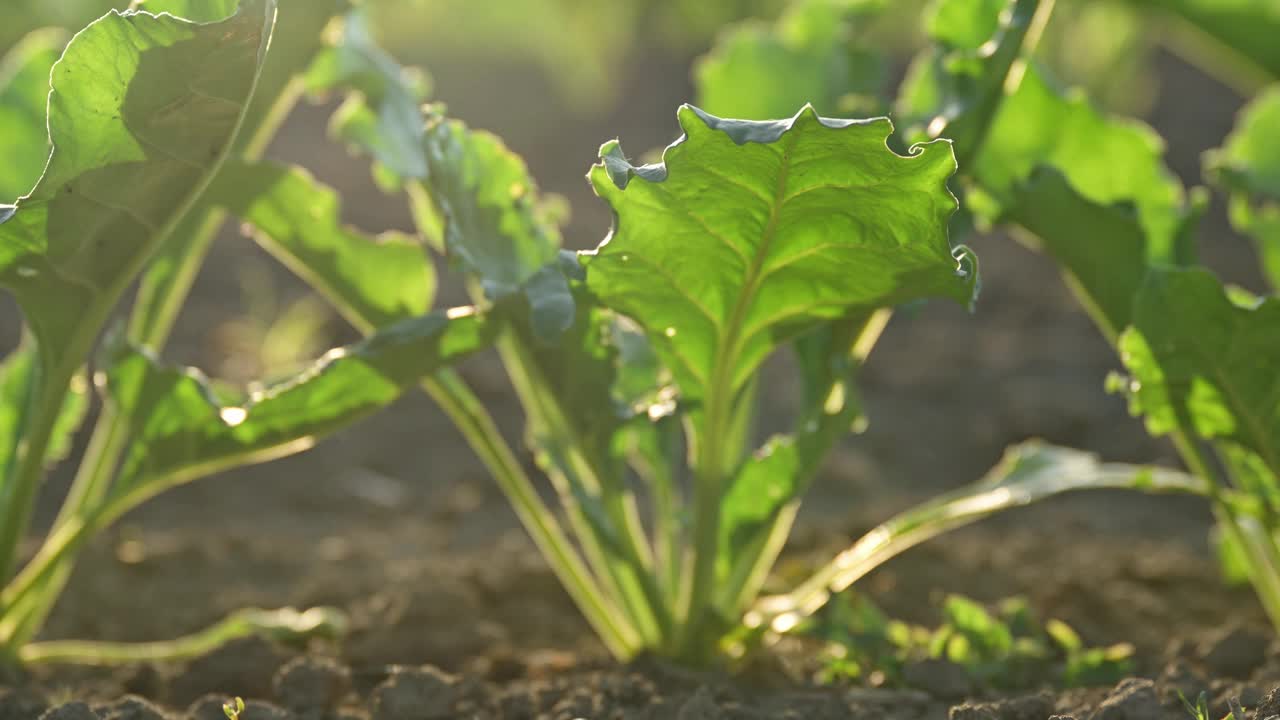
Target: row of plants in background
[638, 363]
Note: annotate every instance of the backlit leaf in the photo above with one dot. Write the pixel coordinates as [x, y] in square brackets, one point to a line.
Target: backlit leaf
[1203, 363]
[810, 55]
[1248, 165]
[142, 112]
[750, 233]
[385, 117]
[181, 431]
[24, 97]
[372, 281]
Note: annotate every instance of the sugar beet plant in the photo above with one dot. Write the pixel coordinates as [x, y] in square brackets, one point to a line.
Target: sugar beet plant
[1202, 358]
[638, 364]
[145, 110]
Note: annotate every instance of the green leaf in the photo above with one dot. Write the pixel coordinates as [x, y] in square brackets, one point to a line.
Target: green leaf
[987, 636]
[384, 117]
[1248, 165]
[772, 481]
[751, 233]
[142, 111]
[181, 431]
[497, 225]
[964, 23]
[956, 88]
[298, 37]
[1094, 190]
[1029, 472]
[812, 54]
[372, 281]
[1204, 364]
[766, 483]
[1106, 160]
[24, 97]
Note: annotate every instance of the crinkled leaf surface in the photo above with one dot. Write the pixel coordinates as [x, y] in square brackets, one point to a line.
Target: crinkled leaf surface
[749, 233]
[181, 431]
[374, 281]
[1203, 363]
[810, 55]
[24, 97]
[142, 111]
[496, 225]
[386, 118]
[1248, 165]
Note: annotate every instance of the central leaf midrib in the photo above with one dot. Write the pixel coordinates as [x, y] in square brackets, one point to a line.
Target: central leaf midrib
[732, 335]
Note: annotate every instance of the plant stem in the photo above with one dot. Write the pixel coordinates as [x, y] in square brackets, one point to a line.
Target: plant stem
[1264, 565]
[481, 433]
[625, 569]
[752, 570]
[286, 623]
[1009, 485]
[155, 312]
[51, 386]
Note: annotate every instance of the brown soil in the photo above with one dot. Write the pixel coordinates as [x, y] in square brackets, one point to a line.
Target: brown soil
[454, 613]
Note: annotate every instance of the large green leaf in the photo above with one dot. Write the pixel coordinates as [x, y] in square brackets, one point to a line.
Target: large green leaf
[1248, 165]
[299, 36]
[809, 55]
[1106, 160]
[181, 431]
[1093, 189]
[1203, 363]
[143, 109]
[24, 97]
[372, 281]
[750, 233]
[497, 227]
[384, 117]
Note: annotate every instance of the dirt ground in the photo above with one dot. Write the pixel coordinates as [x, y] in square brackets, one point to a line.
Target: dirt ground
[454, 613]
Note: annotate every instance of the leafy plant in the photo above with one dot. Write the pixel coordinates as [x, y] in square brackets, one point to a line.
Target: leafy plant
[1203, 358]
[1007, 649]
[638, 364]
[148, 109]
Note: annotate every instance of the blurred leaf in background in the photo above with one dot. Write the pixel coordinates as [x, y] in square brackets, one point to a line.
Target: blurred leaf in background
[23, 16]
[581, 44]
